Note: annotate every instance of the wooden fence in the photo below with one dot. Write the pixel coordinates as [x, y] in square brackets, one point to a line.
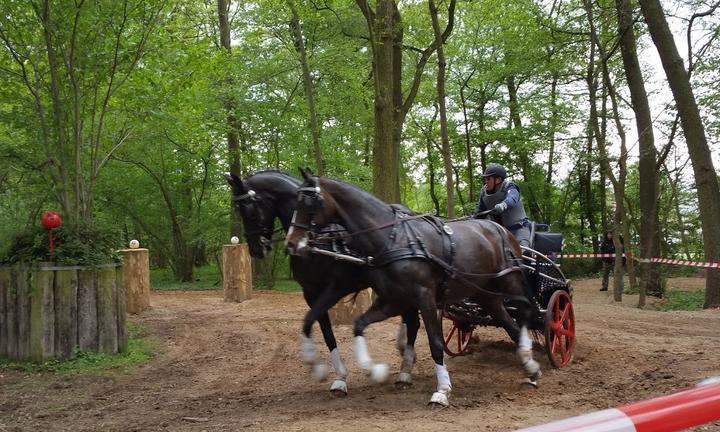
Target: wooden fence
[51, 312]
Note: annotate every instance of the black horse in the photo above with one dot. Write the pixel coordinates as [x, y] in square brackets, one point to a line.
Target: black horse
[418, 262]
[270, 194]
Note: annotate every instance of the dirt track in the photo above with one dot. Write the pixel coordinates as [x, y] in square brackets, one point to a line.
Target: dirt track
[227, 367]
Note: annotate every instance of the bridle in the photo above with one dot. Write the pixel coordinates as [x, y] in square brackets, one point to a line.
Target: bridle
[254, 198]
[312, 199]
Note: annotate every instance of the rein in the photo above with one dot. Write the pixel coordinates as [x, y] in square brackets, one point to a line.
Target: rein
[375, 228]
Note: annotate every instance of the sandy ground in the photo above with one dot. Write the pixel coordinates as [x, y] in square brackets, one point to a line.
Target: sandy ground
[227, 367]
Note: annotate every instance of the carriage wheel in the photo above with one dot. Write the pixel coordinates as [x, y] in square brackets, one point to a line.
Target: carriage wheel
[461, 337]
[560, 329]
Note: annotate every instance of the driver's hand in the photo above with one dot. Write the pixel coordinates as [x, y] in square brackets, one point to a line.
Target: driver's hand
[499, 208]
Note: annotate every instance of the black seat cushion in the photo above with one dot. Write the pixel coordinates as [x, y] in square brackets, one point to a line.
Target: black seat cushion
[547, 242]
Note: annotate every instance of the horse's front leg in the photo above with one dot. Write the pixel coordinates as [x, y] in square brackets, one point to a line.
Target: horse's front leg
[441, 397]
[318, 312]
[378, 311]
[406, 344]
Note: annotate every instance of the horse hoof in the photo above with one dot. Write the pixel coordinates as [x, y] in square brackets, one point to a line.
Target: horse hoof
[339, 388]
[404, 381]
[439, 400]
[320, 371]
[528, 382]
[379, 373]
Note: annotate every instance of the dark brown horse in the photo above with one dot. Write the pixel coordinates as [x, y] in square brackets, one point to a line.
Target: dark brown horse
[419, 262]
[267, 195]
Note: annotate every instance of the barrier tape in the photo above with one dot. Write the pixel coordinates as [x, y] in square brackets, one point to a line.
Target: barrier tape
[670, 261]
[674, 412]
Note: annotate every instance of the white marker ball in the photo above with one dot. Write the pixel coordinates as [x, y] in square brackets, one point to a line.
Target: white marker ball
[134, 244]
[234, 240]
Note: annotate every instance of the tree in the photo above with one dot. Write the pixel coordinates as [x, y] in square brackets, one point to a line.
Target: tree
[385, 32]
[650, 281]
[446, 155]
[297, 33]
[706, 178]
[233, 141]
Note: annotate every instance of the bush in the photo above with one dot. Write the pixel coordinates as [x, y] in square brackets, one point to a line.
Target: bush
[74, 245]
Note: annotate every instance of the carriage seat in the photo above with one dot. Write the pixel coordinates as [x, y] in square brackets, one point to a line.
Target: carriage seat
[546, 242]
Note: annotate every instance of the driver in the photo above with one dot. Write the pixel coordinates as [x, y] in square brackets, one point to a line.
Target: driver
[502, 198]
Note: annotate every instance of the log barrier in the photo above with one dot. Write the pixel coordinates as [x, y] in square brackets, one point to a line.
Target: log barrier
[52, 311]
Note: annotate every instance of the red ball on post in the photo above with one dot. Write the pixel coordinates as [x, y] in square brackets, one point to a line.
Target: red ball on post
[50, 221]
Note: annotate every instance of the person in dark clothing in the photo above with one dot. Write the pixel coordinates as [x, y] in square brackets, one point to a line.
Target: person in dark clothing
[608, 247]
[502, 198]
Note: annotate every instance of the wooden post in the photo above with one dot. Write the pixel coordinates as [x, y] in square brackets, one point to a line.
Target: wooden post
[5, 286]
[107, 310]
[87, 311]
[42, 315]
[237, 273]
[347, 309]
[136, 279]
[66, 329]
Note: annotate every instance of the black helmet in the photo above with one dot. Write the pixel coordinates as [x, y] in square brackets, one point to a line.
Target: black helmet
[495, 170]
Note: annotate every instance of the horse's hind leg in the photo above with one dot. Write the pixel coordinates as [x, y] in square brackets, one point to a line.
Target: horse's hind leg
[411, 324]
[440, 397]
[524, 345]
[518, 330]
[378, 311]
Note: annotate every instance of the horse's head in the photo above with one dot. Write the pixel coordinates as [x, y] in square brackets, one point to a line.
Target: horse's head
[257, 214]
[315, 209]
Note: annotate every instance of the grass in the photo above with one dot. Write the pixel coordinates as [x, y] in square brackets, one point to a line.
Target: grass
[205, 278]
[286, 285]
[139, 351]
[681, 300]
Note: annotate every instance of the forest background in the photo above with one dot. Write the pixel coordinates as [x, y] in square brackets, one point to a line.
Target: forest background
[123, 116]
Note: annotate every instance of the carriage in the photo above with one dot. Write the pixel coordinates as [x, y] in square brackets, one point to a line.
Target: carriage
[553, 319]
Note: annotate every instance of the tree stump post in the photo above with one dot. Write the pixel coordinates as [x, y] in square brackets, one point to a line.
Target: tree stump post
[347, 309]
[237, 273]
[136, 279]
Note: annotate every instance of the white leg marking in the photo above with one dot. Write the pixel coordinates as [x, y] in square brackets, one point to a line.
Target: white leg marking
[340, 369]
[401, 340]
[443, 378]
[532, 368]
[379, 371]
[309, 353]
[361, 353]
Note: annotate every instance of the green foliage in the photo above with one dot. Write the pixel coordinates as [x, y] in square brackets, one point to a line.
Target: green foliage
[74, 245]
[681, 300]
[286, 285]
[139, 351]
[204, 278]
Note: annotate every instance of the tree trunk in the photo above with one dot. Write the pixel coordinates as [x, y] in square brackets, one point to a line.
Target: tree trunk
[650, 280]
[470, 169]
[706, 178]
[445, 140]
[233, 140]
[296, 29]
[385, 30]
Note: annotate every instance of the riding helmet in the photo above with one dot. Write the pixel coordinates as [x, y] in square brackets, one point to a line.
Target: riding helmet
[495, 170]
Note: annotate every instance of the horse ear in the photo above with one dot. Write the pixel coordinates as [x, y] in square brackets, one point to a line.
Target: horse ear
[307, 174]
[233, 180]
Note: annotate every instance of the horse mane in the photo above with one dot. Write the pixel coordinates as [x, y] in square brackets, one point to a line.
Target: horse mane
[275, 173]
[361, 191]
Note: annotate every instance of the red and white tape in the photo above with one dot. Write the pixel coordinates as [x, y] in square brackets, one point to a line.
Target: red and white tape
[693, 407]
[670, 261]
